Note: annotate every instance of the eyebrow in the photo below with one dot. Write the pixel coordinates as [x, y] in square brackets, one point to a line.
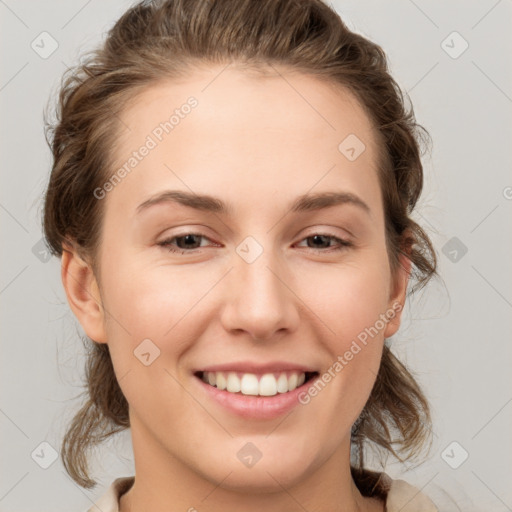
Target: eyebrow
[303, 203]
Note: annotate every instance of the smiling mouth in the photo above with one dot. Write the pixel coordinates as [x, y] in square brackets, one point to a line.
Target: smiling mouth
[266, 384]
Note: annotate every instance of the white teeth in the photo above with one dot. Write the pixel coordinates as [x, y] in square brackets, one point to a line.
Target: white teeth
[292, 382]
[268, 385]
[282, 383]
[251, 384]
[233, 383]
[221, 381]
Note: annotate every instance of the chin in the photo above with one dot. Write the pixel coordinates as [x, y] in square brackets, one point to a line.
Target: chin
[275, 468]
[265, 479]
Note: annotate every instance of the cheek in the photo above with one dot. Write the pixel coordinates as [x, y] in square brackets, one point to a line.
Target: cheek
[162, 304]
[350, 303]
[348, 298]
[149, 300]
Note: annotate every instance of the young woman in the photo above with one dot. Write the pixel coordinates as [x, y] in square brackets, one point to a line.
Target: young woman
[231, 196]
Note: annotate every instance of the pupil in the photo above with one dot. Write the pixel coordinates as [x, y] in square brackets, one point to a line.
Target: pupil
[317, 237]
[189, 238]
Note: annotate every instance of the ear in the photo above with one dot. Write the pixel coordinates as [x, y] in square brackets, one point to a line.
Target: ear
[83, 294]
[398, 294]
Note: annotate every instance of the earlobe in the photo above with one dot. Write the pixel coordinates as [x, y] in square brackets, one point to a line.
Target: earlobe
[397, 300]
[83, 293]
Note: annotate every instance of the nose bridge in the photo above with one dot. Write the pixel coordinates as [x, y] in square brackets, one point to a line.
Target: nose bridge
[259, 302]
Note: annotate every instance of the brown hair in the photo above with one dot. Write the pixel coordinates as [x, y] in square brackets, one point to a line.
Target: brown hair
[164, 39]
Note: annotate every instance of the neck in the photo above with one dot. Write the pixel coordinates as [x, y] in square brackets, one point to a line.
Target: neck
[165, 483]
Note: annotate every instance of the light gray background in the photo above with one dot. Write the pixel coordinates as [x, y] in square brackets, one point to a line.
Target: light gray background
[456, 335]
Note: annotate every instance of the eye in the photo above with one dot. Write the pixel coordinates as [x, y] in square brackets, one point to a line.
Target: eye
[191, 242]
[325, 238]
[184, 243]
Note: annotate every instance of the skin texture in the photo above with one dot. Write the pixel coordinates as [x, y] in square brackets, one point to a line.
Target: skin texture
[257, 144]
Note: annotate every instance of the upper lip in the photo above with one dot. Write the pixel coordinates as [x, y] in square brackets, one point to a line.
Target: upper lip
[253, 367]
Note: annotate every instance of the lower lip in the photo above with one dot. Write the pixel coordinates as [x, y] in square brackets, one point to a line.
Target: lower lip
[256, 407]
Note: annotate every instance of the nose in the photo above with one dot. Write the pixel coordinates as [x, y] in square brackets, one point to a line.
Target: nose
[260, 299]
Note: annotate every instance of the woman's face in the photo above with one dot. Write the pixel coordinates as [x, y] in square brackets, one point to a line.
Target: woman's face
[258, 282]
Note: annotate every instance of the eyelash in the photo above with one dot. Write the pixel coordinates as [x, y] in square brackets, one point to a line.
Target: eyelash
[343, 244]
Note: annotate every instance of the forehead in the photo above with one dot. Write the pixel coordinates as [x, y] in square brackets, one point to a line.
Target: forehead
[246, 133]
[234, 97]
